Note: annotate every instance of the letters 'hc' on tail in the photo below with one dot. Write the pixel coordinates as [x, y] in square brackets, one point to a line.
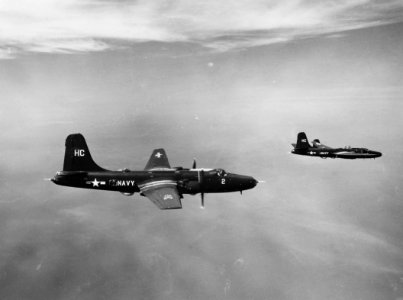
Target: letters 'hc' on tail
[302, 141]
[77, 156]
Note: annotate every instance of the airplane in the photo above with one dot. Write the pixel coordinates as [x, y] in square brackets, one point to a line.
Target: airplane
[302, 147]
[163, 185]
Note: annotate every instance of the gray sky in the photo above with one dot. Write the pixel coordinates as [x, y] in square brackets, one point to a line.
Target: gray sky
[229, 84]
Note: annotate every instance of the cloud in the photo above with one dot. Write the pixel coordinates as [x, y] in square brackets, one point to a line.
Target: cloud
[70, 26]
[67, 46]
[6, 54]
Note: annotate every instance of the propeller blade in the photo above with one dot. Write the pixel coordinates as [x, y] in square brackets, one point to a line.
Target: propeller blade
[194, 163]
[48, 179]
[201, 177]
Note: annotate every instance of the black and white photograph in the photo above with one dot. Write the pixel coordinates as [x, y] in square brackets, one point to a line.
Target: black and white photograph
[201, 150]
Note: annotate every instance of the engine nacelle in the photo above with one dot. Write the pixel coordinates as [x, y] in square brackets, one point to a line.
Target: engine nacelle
[190, 187]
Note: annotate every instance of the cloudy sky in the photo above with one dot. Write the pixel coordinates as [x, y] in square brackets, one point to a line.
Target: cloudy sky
[230, 84]
[70, 26]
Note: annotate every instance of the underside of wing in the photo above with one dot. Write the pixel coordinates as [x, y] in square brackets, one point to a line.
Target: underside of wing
[158, 160]
[162, 193]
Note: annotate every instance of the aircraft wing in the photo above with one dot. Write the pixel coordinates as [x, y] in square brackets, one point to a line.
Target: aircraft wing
[162, 193]
[345, 154]
[158, 160]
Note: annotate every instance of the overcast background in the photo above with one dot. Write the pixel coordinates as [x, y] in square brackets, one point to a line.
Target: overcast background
[232, 85]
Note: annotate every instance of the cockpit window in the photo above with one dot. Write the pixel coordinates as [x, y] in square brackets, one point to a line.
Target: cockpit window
[221, 172]
[360, 150]
[217, 172]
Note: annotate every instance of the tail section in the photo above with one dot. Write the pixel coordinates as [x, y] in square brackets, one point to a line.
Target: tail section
[77, 156]
[302, 141]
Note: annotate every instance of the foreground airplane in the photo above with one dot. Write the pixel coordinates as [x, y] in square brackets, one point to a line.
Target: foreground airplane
[163, 185]
[317, 149]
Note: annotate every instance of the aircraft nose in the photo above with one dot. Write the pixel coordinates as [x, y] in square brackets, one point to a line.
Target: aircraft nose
[56, 179]
[241, 182]
[377, 154]
[250, 182]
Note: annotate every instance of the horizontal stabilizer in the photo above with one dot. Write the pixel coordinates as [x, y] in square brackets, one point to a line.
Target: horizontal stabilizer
[158, 160]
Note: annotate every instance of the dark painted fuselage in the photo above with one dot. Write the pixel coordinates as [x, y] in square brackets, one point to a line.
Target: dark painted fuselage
[346, 153]
[159, 182]
[188, 181]
[303, 147]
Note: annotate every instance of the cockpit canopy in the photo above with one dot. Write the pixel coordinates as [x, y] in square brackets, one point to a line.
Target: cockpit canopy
[218, 172]
[360, 150]
[221, 172]
[357, 150]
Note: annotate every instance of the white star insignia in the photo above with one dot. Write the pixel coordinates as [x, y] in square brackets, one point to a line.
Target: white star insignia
[95, 183]
[158, 154]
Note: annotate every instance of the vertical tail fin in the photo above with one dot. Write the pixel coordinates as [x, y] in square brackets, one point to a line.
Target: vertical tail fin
[302, 141]
[77, 156]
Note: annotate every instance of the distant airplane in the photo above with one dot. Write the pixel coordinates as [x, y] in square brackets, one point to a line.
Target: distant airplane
[163, 185]
[317, 149]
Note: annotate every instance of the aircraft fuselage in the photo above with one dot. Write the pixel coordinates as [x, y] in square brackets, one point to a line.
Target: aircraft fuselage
[346, 153]
[187, 181]
[159, 182]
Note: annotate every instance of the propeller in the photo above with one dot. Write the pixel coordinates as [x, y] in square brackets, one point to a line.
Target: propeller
[194, 163]
[48, 179]
[201, 176]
